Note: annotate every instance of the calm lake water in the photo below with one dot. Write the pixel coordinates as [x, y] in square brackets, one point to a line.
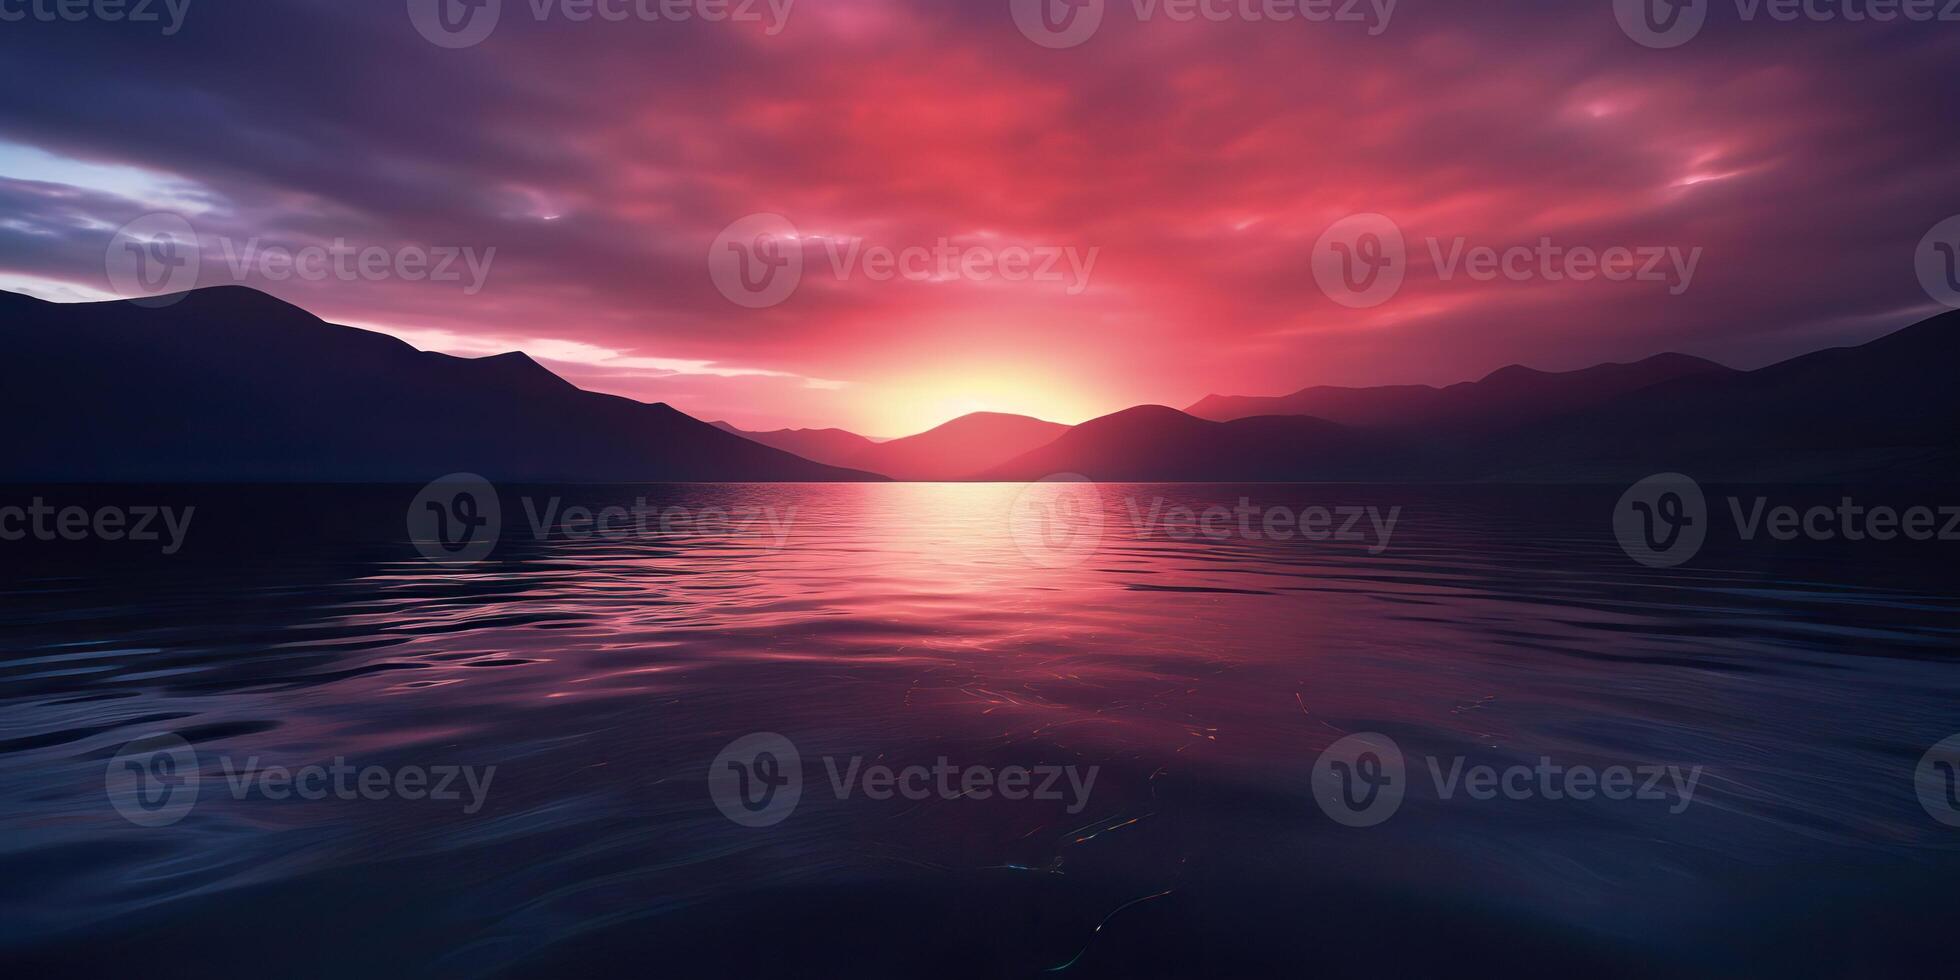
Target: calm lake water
[1198, 676]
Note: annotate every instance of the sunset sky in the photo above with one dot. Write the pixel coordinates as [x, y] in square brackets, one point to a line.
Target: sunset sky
[1200, 161]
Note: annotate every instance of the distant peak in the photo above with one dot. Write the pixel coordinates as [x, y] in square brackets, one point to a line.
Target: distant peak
[1668, 363]
[514, 358]
[973, 417]
[518, 366]
[1512, 373]
[992, 420]
[1146, 413]
[234, 301]
[1685, 362]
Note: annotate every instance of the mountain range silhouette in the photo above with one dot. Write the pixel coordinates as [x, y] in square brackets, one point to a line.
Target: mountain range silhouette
[958, 450]
[228, 384]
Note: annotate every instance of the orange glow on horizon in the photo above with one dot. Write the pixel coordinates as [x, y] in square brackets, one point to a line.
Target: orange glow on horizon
[923, 402]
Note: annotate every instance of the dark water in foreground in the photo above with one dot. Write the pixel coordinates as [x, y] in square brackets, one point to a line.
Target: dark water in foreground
[902, 624]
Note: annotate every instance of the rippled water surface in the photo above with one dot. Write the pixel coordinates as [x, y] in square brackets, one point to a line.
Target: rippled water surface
[1199, 675]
